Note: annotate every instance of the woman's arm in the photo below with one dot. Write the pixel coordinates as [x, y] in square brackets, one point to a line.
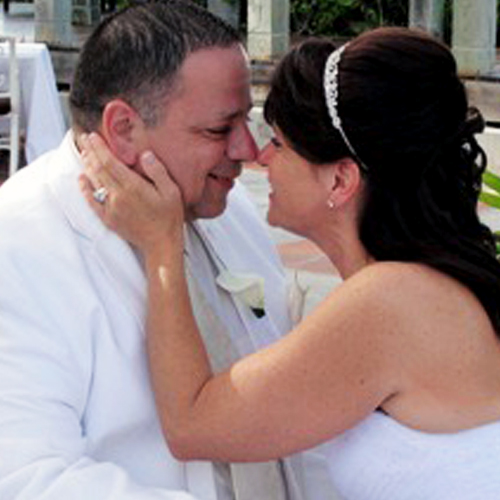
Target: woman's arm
[321, 379]
[149, 214]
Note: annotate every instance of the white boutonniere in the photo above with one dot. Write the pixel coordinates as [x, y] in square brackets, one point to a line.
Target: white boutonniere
[296, 299]
[248, 288]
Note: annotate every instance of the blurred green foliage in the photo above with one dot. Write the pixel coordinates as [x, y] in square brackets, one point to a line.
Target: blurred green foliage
[490, 195]
[345, 18]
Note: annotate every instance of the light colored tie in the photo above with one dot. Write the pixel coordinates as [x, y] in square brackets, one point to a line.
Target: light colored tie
[259, 481]
[251, 481]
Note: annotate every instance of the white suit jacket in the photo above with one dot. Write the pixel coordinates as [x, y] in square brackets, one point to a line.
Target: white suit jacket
[77, 415]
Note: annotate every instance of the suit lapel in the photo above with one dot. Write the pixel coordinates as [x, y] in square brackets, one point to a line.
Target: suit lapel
[114, 256]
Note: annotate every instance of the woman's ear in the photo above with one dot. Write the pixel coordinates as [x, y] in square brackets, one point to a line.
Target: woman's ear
[345, 182]
[123, 130]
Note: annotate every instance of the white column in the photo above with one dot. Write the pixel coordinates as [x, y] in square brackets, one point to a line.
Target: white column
[53, 21]
[86, 12]
[229, 10]
[268, 28]
[474, 35]
[427, 15]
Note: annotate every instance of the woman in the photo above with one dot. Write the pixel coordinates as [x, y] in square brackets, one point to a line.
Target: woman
[398, 370]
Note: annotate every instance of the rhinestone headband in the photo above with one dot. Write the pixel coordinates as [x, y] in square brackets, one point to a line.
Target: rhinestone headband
[331, 87]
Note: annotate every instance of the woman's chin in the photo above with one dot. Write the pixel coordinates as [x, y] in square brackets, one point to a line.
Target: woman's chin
[272, 219]
[275, 220]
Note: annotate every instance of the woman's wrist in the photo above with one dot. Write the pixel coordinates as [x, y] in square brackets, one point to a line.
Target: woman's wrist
[165, 251]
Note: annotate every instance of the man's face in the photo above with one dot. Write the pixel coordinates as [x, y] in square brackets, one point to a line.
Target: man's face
[202, 136]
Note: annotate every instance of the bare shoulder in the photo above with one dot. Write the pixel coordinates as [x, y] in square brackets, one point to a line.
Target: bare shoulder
[381, 299]
[417, 300]
[383, 282]
[403, 282]
[405, 297]
[397, 273]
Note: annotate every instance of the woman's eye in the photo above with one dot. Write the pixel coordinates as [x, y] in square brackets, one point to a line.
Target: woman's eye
[275, 142]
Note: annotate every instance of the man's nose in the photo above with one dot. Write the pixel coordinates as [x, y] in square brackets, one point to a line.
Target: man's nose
[242, 146]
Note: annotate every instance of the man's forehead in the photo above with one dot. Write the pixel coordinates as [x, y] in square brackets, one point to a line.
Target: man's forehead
[233, 114]
[214, 85]
[222, 64]
[222, 107]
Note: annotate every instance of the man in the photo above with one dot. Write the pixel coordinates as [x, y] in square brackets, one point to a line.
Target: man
[77, 413]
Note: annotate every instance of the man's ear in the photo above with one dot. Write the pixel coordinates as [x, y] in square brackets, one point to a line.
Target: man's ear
[344, 182]
[123, 130]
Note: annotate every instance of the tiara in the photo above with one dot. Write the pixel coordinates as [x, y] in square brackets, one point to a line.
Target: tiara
[331, 87]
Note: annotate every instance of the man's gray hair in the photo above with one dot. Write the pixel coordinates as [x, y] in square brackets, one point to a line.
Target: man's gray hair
[135, 55]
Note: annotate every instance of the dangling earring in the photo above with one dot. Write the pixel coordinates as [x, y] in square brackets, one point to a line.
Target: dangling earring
[330, 203]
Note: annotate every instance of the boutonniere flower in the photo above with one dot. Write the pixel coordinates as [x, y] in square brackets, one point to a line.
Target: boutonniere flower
[248, 288]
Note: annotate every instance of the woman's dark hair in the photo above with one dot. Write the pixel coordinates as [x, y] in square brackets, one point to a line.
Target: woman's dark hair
[404, 110]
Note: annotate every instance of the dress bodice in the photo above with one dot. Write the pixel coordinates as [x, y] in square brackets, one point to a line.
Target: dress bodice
[382, 459]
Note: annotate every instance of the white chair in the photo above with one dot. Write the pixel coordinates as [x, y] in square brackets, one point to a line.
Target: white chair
[10, 101]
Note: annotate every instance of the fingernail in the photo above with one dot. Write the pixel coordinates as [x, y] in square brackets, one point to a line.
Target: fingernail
[82, 139]
[92, 137]
[148, 157]
[82, 182]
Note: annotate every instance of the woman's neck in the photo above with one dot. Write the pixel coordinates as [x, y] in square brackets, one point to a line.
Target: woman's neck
[344, 249]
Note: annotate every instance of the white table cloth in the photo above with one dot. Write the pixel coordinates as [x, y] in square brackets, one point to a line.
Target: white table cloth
[41, 111]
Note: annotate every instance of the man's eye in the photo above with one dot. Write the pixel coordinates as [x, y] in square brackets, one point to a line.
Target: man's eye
[219, 131]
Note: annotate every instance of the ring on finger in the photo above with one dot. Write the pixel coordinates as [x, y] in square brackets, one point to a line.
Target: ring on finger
[100, 195]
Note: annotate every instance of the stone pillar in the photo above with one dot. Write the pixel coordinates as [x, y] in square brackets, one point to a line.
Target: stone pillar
[53, 22]
[229, 10]
[268, 28]
[86, 12]
[427, 15]
[474, 36]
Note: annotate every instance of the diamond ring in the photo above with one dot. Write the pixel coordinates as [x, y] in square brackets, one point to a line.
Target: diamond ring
[100, 195]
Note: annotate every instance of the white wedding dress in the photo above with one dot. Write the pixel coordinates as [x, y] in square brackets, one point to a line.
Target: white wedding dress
[381, 459]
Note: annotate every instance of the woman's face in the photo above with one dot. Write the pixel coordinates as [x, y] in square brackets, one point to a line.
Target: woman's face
[298, 196]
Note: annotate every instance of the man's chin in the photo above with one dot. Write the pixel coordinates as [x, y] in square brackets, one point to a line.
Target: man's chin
[206, 210]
